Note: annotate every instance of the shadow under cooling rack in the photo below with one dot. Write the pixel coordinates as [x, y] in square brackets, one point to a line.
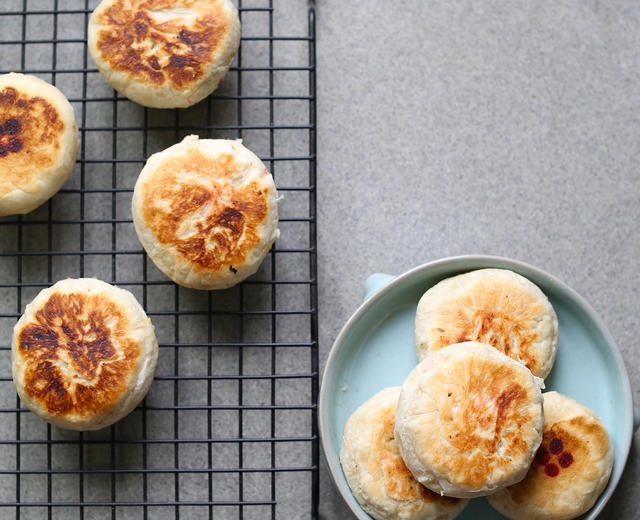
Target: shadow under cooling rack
[228, 429]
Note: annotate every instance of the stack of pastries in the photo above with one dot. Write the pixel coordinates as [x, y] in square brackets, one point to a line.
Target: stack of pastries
[471, 420]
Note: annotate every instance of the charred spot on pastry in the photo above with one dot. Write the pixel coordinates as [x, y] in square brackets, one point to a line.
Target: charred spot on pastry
[565, 459]
[555, 446]
[15, 145]
[11, 126]
[233, 269]
[542, 456]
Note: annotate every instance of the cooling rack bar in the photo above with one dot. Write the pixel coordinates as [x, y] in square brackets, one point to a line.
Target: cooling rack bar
[159, 282]
[133, 504]
[170, 441]
[158, 470]
[229, 429]
[32, 12]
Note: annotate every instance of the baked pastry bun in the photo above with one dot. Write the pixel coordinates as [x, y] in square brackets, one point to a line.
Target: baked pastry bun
[164, 53]
[493, 306]
[38, 142]
[469, 420]
[570, 471]
[206, 212]
[83, 354]
[377, 475]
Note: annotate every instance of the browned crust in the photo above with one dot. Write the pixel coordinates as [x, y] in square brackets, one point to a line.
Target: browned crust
[221, 236]
[399, 482]
[160, 52]
[30, 135]
[491, 401]
[496, 322]
[77, 354]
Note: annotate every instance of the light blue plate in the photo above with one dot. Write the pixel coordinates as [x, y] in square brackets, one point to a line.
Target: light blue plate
[375, 349]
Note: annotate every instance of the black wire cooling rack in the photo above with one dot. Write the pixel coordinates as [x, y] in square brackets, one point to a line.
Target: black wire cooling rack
[228, 429]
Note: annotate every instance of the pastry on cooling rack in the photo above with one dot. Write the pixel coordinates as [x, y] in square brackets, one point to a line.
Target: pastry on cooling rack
[377, 475]
[164, 53]
[83, 354]
[469, 420]
[38, 142]
[205, 210]
[493, 306]
[570, 470]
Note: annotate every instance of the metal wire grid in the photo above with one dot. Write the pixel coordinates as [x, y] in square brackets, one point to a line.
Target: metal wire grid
[228, 429]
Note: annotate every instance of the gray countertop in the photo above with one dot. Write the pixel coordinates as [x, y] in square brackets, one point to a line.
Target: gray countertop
[444, 128]
[449, 128]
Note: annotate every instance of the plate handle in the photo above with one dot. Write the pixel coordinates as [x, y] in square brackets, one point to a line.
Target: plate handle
[375, 282]
[636, 419]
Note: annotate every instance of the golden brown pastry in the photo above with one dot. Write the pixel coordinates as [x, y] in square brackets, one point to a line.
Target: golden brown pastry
[377, 475]
[469, 420]
[83, 353]
[164, 53]
[493, 306]
[206, 212]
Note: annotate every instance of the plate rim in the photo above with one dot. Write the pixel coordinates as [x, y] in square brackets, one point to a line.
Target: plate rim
[479, 259]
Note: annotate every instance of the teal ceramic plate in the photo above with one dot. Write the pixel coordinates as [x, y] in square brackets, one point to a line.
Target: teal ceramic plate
[375, 349]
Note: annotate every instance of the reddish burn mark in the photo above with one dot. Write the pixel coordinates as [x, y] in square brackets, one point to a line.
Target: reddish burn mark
[551, 470]
[542, 456]
[552, 455]
[266, 172]
[565, 460]
[15, 144]
[555, 446]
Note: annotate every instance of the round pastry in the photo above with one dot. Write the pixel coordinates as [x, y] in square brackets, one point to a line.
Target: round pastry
[469, 420]
[38, 142]
[83, 354]
[164, 53]
[206, 212]
[493, 306]
[570, 470]
[377, 475]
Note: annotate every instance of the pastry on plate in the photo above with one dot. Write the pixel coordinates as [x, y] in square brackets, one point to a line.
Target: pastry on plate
[206, 212]
[83, 354]
[164, 53]
[469, 420]
[38, 142]
[493, 306]
[570, 470]
[377, 475]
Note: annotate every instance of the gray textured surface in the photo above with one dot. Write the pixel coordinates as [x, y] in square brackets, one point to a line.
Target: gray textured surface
[498, 128]
[505, 128]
